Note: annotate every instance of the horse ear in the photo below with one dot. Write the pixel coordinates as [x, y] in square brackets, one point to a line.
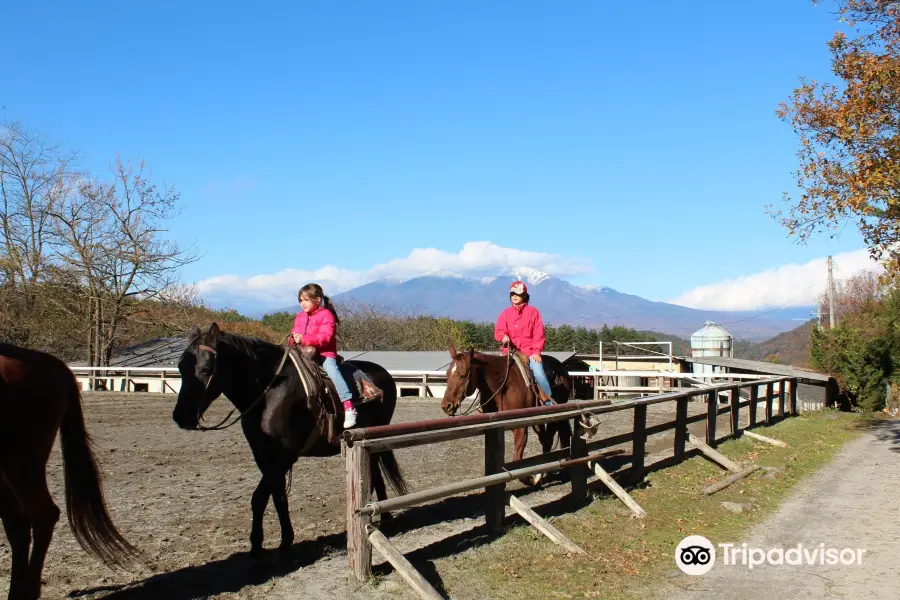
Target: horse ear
[213, 334]
[452, 351]
[193, 334]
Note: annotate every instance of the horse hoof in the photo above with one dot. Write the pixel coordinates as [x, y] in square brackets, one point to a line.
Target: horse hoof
[530, 480]
[286, 548]
[257, 554]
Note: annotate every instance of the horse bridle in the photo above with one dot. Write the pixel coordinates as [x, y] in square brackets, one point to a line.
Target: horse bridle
[221, 424]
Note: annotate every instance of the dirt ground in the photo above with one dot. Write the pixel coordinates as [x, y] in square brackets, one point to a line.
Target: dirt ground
[183, 498]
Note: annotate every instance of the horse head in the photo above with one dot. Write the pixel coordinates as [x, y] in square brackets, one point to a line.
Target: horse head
[201, 377]
[461, 381]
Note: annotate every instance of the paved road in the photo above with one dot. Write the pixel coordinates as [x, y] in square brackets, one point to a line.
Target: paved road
[851, 503]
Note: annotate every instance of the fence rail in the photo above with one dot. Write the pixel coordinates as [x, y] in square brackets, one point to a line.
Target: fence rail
[778, 395]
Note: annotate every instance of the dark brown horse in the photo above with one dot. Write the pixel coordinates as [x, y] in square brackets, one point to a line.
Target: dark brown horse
[38, 397]
[246, 371]
[500, 387]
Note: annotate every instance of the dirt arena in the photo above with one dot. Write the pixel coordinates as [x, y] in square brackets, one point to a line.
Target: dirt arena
[184, 499]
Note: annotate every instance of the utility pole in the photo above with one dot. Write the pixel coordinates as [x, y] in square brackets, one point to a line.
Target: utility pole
[818, 314]
[830, 294]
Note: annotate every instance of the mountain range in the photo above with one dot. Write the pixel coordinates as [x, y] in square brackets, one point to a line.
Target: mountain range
[447, 294]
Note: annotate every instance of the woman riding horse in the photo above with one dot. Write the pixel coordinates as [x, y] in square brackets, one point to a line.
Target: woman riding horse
[521, 325]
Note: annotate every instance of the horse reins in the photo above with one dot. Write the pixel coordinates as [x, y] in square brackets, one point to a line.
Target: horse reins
[221, 425]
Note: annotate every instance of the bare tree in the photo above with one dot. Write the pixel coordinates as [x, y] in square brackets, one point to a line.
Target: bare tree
[34, 179]
[109, 236]
[855, 293]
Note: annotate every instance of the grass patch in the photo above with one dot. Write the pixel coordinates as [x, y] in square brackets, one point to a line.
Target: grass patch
[627, 558]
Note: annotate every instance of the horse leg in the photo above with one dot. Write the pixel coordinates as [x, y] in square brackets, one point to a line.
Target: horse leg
[565, 434]
[44, 515]
[378, 485]
[29, 483]
[279, 498]
[520, 440]
[18, 532]
[258, 503]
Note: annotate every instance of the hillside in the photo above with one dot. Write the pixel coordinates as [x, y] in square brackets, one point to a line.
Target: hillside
[788, 348]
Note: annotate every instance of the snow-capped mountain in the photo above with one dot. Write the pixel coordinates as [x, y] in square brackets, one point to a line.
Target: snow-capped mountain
[443, 293]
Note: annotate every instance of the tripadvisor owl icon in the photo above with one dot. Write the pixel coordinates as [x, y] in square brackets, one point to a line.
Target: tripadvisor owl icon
[695, 555]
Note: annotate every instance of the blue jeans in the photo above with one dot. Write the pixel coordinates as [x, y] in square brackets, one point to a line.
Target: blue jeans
[331, 367]
[540, 376]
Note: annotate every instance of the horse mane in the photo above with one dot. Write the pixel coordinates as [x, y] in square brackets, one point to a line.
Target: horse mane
[254, 348]
[484, 358]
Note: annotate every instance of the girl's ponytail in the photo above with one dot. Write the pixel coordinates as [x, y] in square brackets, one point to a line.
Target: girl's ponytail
[326, 302]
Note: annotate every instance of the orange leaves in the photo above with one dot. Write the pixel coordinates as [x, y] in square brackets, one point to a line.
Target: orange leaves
[849, 148]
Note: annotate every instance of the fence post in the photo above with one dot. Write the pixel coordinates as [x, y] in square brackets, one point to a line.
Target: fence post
[754, 399]
[495, 502]
[359, 487]
[794, 396]
[735, 411]
[781, 398]
[681, 411]
[770, 394]
[639, 442]
[579, 473]
[712, 405]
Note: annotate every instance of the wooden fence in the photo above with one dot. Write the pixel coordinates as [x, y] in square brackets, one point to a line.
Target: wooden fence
[779, 397]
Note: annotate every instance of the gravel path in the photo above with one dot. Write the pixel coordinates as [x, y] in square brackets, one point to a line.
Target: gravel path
[851, 503]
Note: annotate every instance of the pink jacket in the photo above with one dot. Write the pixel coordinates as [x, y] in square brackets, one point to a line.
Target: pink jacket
[524, 326]
[317, 329]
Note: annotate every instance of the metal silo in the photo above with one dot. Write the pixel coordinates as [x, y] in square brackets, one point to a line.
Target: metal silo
[711, 340]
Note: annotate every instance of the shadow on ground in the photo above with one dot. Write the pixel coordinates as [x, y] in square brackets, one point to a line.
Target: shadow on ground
[238, 571]
[885, 430]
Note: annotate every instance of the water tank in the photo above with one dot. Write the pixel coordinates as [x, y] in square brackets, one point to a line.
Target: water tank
[711, 340]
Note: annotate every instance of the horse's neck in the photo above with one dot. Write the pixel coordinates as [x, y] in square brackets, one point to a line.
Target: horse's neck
[493, 373]
[250, 374]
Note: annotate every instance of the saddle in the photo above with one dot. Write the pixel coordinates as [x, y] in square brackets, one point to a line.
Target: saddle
[322, 397]
[522, 361]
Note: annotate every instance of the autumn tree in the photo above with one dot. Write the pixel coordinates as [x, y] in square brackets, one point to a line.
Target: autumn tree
[849, 134]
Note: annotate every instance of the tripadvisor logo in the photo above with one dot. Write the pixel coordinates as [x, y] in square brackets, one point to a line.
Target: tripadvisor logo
[695, 555]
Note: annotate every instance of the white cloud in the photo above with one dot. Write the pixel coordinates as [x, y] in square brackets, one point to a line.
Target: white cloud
[788, 285]
[475, 259]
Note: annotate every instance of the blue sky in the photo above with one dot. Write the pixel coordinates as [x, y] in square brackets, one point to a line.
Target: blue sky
[632, 148]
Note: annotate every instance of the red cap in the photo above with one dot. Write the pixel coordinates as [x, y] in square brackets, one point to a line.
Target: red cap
[518, 287]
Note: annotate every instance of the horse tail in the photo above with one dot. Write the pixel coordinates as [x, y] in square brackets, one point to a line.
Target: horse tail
[391, 470]
[85, 506]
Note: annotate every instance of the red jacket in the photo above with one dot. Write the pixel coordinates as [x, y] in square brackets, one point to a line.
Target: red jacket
[317, 329]
[524, 326]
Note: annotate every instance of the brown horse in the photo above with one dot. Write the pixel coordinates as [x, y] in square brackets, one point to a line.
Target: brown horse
[38, 397]
[500, 386]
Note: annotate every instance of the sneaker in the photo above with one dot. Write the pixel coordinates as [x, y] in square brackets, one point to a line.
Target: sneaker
[349, 418]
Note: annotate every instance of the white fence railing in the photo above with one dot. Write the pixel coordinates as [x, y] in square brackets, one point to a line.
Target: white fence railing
[419, 382]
